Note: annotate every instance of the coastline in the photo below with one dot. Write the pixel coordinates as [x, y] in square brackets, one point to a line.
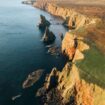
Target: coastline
[78, 83]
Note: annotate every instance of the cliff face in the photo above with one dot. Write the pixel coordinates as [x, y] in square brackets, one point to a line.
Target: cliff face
[73, 47]
[72, 89]
[66, 87]
[85, 93]
[72, 18]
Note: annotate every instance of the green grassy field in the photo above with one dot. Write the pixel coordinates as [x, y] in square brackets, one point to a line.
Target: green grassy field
[92, 68]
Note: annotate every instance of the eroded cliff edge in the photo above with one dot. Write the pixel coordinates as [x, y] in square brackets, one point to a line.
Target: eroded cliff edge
[66, 87]
[72, 18]
[81, 18]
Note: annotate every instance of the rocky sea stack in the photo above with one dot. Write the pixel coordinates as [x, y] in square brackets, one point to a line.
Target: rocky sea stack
[48, 37]
[43, 22]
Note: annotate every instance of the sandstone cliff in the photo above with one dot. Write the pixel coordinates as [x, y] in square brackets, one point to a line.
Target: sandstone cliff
[72, 18]
[66, 87]
[73, 47]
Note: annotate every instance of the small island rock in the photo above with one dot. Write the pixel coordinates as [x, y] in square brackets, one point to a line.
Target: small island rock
[43, 22]
[48, 37]
[32, 78]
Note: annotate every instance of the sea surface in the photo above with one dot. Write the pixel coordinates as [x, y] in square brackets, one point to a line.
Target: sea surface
[22, 51]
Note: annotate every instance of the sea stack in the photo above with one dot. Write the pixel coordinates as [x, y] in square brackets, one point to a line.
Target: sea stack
[43, 22]
[48, 37]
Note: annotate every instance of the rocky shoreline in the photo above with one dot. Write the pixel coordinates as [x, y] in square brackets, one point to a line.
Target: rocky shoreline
[65, 87]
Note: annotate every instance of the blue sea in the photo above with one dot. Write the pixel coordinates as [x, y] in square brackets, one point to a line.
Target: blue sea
[22, 51]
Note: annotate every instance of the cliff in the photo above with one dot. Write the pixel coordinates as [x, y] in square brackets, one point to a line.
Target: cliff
[65, 87]
[74, 90]
[73, 46]
[72, 18]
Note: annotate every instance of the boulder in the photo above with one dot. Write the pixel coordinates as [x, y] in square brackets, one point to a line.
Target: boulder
[48, 37]
[43, 22]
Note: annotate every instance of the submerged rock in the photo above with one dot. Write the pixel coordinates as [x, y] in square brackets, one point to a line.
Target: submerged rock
[48, 37]
[54, 50]
[32, 78]
[61, 36]
[43, 22]
[15, 97]
[41, 92]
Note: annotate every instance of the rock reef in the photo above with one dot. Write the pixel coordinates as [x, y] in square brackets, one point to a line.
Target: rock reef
[55, 50]
[32, 78]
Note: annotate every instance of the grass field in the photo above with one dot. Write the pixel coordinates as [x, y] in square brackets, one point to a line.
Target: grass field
[92, 68]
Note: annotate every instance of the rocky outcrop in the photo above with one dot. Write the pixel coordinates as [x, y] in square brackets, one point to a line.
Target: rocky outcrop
[72, 46]
[31, 2]
[73, 19]
[48, 37]
[16, 97]
[55, 50]
[32, 78]
[69, 45]
[67, 88]
[65, 82]
[43, 22]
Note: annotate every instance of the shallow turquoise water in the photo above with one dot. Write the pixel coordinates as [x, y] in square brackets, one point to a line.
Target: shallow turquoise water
[22, 52]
